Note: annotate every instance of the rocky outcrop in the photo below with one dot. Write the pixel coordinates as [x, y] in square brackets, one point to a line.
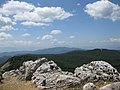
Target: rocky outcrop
[49, 75]
[113, 86]
[46, 74]
[97, 71]
[26, 71]
[89, 86]
[55, 80]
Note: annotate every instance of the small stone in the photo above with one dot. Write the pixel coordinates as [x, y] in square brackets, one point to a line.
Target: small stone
[89, 86]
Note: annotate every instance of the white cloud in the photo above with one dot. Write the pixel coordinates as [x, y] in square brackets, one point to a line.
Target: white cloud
[55, 32]
[21, 42]
[114, 39]
[44, 14]
[13, 7]
[4, 35]
[30, 15]
[16, 43]
[51, 37]
[6, 27]
[53, 40]
[26, 35]
[103, 9]
[61, 42]
[47, 37]
[27, 16]
[71, 37]
[57, 42]
[48, 14]
[109, 40]
[6, 23]
[5, 20]
[29, 23]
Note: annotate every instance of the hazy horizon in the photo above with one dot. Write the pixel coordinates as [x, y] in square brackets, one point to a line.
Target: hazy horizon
[17, 50]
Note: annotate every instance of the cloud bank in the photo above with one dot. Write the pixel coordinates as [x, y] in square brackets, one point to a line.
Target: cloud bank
[30, 15]
[103, 9]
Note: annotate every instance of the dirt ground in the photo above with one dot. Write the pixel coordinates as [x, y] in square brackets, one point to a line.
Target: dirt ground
[12, 83]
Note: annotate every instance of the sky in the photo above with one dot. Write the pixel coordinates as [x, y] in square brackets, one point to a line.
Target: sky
[37, 24]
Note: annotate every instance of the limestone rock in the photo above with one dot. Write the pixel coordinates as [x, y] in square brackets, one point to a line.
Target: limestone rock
[113, 86]
[48, 67]
[97, 70]
[26, 71]
[9, 73]
[89, 86]
[49, 75]
[55, 80]
[46, 74]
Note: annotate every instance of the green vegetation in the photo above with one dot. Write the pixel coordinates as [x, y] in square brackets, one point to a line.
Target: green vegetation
[1, 72]
[69, 61]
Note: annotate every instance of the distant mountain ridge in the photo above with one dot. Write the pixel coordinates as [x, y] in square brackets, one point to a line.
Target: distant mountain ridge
[55, 50]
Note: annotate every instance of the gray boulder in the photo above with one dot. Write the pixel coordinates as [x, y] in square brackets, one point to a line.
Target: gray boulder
[96, 71]
[26, 71]
[89, 86]
[49, 66]
[113, 86]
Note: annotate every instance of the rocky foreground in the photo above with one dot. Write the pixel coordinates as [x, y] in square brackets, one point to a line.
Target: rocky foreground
[46, 75]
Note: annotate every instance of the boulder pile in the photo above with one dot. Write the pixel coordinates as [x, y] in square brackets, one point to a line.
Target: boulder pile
[46, 74]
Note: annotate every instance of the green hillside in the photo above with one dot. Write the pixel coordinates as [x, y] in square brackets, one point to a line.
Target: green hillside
[69, 61]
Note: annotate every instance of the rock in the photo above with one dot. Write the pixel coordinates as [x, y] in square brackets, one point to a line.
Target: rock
[89, 86]
[26, 71]
[55, 80]
[9, 73]
[49, 66]
[96, 71]
[46, 74]
[113, 86]
[49, 76]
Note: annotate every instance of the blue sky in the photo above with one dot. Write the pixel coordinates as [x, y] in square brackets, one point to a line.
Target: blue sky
[37, 24]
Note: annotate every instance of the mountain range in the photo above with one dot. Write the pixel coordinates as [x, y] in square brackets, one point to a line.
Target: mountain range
[55, 50]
